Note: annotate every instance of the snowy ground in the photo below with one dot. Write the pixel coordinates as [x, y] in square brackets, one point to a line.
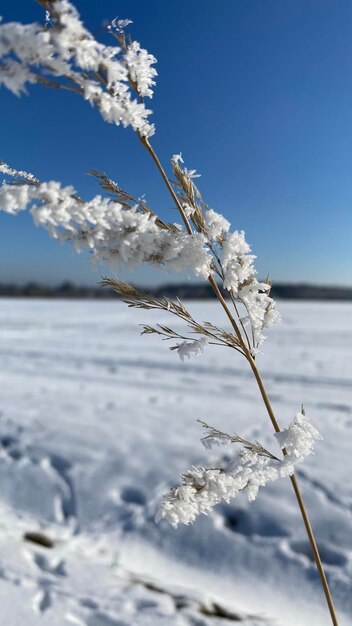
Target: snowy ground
[96, 424]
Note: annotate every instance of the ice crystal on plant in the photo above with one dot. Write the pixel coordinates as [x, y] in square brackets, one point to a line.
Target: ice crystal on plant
[232, 256]
[298, 441]
[217, 225]
[177, 158]
[187, 349]
[202, 488]
[140, 66]
[105, 227]
[119, 25]
[10, 171]
[240, 277]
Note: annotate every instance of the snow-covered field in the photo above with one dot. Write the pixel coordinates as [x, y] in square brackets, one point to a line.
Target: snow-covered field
[96, 424]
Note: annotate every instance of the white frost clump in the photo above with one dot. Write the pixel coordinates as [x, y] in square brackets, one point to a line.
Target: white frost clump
[237, 263]
[109, 230]
[185, 252]
[186, 349]
[203, 488]
[15, 75]
[189, 174]
[67, 50]
[119, 25]
[232, 257]
[139, 63]
[9, 171]
[240, 278]
[200, 491]
[217, 225]
[298, 441]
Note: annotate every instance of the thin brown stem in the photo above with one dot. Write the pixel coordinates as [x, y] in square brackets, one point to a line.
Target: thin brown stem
[240, 320]
[154, 156]
[216, 289]
[54, 85]
[260, 384]
[228, 312]
[300, 501]
[264, 394]
[314, 547]
[221, 275]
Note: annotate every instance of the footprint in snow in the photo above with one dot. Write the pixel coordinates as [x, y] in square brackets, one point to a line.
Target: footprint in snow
[95, 619]
[133, 495]
[53, 567]
[88, 603]
[250, 525]
[11, 445]
[42, 601]
[49, 472]
[102, 619]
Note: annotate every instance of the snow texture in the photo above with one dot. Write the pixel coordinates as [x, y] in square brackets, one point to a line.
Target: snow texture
[96, 424]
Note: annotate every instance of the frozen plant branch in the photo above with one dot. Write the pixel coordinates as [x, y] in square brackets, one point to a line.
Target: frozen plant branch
[112, 231]
[63, 54]
[19, 176]
[129, 202]
[202, 488]
[211, 333]
[215, 437]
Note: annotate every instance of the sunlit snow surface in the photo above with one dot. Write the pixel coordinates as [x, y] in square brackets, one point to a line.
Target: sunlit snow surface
[96, 424]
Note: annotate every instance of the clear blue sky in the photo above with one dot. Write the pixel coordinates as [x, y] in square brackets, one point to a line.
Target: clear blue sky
[257, 94]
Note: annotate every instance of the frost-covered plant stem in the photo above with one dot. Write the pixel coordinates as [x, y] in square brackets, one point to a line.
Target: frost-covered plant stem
[162, 172]
[188, 227]
[260, 384]
[116, 81]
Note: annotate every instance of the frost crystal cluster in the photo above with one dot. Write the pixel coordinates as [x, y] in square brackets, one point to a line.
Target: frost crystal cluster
[240, 279]
[191, 348]
[203, 488]
[297, 440]
[108, 229]
[107, 76]
[232, 256]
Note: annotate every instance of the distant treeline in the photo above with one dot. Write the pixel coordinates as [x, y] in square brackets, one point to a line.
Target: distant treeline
[199, 291]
